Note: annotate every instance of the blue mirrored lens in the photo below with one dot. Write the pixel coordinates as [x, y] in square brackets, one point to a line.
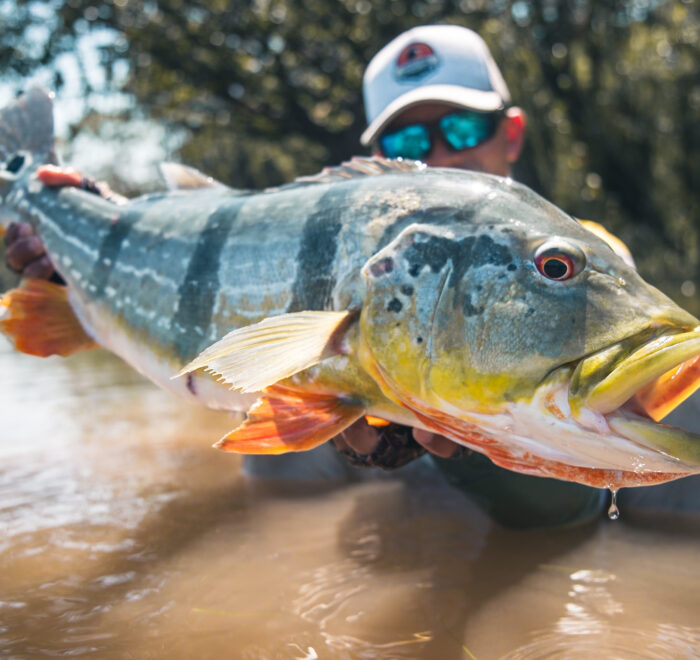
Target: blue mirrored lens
[408, 142]
[464, 130]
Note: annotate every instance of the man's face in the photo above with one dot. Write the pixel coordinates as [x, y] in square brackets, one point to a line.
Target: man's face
[493, 156]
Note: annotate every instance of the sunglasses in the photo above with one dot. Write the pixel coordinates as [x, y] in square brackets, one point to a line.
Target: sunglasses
[461, 130]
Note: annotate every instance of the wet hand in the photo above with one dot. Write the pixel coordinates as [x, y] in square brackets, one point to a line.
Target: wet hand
[438, 445]
[26, 253]
[391, 446]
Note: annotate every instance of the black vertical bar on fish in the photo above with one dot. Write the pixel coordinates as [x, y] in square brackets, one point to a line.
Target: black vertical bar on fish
[314, 283]
[197, 292]
[109, 250]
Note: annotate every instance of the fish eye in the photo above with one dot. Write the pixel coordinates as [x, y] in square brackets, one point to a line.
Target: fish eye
[14, 165]
[559, 261]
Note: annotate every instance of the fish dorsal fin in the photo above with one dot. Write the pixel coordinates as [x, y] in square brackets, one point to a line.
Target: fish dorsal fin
[182, 177]
[360, 166]
[259, 355]
[283, 420]
[617, 246]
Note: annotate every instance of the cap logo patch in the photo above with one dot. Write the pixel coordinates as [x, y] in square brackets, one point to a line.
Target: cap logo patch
[415, 61]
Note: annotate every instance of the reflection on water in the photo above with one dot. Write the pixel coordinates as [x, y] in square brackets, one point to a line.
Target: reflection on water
[124, 535]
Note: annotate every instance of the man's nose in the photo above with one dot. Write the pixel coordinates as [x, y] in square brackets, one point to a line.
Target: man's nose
[441, 155]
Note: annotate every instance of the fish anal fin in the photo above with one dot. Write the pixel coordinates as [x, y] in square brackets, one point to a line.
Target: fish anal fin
[40, 321]
[282, 421]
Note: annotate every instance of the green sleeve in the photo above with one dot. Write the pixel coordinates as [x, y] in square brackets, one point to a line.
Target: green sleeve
[520, 501]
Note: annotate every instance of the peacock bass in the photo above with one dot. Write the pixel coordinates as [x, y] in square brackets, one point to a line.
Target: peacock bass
[457, 302]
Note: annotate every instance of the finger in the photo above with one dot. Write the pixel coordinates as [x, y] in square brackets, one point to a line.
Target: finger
[361, 437]
[17, 230]
[56, 176]
[339, 443]
[435, 444]
[41, 269]
[23, 251]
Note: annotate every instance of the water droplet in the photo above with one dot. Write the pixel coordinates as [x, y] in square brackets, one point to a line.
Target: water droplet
[613, 511]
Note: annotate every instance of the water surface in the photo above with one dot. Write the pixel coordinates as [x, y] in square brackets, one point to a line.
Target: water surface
[125, 535]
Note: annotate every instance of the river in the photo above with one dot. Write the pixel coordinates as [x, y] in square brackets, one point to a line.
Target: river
[125, 535]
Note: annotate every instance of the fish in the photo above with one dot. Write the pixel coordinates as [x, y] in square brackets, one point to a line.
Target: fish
[457, 302]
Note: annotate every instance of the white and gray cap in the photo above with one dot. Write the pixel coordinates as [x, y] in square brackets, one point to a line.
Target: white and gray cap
[444, 63]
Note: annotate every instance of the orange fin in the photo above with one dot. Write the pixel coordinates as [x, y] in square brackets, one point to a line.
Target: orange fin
[376, 421]
[670, 390]
[55, 176]
[282, 421]
[40, 321]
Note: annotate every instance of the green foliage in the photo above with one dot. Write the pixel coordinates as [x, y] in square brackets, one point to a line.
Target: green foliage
[271, 89]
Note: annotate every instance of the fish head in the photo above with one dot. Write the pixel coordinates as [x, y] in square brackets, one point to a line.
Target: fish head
[524, 336]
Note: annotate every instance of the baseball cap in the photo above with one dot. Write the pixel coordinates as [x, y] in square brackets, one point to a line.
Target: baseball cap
[445, 63]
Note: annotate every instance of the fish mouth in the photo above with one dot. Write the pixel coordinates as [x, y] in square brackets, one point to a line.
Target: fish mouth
[635, 383]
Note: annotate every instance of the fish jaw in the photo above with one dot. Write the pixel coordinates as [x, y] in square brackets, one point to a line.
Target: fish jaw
[544, 437]
[607, 379]
[634, 384]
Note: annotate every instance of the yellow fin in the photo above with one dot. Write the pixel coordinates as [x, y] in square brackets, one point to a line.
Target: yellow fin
[40, 321]
[260, 355]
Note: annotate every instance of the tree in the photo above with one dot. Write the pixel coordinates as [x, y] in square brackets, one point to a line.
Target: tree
[265, 91]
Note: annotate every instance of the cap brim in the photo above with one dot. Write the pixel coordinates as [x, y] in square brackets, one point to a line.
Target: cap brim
[470, 99]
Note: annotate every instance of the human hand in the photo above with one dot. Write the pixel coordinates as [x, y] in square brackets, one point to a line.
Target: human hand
[438, 445]
[392, 445]
[26, 253]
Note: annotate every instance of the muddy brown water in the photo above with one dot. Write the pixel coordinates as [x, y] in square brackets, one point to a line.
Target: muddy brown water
[123, 534]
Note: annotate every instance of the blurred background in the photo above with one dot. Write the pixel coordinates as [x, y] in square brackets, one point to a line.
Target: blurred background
[256, 93]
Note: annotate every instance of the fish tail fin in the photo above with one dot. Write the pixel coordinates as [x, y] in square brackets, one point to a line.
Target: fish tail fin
[38, 318]
[26, 139]
[26, 125]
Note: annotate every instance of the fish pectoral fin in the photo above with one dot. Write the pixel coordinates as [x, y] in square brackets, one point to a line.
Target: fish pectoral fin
[282, 421]
[39, 320]
[259, 355]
